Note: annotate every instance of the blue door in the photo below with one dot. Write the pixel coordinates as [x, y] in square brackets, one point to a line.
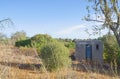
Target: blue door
[89, 52]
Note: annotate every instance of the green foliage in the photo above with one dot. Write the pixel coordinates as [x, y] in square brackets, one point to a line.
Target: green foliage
[36, 41]
[111, 49]
[55, 56]
[24, 43]
[39, 40]
[69, 43]
[106, 12]
[19, 36]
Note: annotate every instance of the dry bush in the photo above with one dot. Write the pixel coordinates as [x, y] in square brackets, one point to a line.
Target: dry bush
[9, 68]
[28, 51]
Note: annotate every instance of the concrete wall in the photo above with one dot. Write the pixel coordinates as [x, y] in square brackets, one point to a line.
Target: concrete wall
[97, 51]
[97, 54]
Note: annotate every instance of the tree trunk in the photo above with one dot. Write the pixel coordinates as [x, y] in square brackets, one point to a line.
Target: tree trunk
[118, 39]
[117, 35]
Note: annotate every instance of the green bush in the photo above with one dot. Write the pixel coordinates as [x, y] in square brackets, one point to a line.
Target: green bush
[23, 43]
[55, 56]
[36, 41]
[111, 49]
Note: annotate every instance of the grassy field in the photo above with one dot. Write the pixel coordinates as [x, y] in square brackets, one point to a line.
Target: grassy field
[11, 58]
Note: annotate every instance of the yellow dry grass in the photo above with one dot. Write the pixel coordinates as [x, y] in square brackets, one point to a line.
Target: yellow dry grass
[9, 62]
[16, 73]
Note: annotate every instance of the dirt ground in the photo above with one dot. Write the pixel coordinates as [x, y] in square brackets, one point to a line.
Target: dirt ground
[14, 65]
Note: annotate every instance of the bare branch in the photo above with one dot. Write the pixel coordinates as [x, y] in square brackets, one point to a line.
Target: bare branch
[5, 20]
[93, 20]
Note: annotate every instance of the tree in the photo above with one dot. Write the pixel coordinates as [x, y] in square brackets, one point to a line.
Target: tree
[40, 40]
[3, 39]
[111, 48]
[69, 43]
[107, 12]
[2, 36]
[37, 41]
[19, 36]
[5, 22]
[55, 56]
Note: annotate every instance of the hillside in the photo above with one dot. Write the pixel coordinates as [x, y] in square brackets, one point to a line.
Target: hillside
[11, 59]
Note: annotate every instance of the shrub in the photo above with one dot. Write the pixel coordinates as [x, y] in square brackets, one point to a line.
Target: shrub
[28, 51]
[55, 56]
[24, 43]
[36, 41]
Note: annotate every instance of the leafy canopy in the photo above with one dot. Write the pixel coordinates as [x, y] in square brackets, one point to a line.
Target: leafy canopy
[111, 49]
[106, 12]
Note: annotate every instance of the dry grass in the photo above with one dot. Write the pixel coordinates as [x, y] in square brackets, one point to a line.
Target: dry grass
[16, 73]
[9, 68]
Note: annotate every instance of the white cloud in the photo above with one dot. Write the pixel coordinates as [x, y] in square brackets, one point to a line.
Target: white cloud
[71, 29]
[78, 31]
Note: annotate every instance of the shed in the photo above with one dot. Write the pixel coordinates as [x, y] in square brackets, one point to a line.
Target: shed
[89, 50]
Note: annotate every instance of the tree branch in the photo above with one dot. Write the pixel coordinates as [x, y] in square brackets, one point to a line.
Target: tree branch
[118, 22]
[93, 20]
[4, 20]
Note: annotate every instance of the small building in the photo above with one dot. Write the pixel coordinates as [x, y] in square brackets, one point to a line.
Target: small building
[89, 50]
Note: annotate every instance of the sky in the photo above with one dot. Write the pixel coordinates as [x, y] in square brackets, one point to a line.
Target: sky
[58, 18]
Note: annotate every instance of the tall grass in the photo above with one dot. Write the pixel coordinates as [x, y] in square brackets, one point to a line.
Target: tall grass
[11, 58]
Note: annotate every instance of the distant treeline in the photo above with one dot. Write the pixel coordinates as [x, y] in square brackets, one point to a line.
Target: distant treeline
[19, 39]
[39, 40]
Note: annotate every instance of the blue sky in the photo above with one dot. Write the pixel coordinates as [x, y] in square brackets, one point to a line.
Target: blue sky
[58, 18]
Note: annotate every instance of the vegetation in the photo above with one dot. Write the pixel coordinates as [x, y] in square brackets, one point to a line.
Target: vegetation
[111, 49]
[36, 41]
[39, 40]
[69, 43]
[19, 36]
[52, 60]
[55, 56]
[10, 61]
[55, 52]
[24, 43]
[106, 12]
[3, 23]
[3, 38]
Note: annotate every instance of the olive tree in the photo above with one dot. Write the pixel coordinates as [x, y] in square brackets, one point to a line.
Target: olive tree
[107, 12]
